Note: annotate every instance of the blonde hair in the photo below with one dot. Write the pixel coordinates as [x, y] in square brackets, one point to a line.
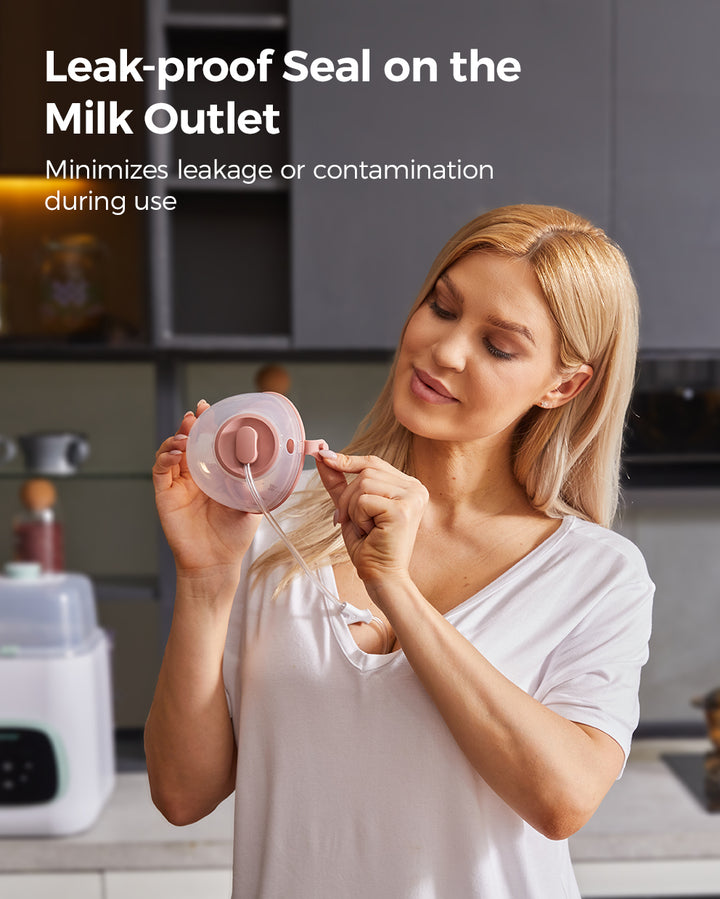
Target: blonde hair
[568, 458]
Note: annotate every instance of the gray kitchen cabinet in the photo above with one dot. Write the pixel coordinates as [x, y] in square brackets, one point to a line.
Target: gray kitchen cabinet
[667, 184]
[613, 115]
[319, 262]
[361, 248]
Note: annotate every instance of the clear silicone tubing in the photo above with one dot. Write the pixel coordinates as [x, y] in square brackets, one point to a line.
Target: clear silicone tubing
[347, 610]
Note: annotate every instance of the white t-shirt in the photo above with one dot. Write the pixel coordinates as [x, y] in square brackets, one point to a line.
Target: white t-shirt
[349, 784]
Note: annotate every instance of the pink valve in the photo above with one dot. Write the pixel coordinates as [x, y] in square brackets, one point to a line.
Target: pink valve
[246, 444]
[246, 439]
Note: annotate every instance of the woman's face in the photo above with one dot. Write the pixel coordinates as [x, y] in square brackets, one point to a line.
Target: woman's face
[479, 352]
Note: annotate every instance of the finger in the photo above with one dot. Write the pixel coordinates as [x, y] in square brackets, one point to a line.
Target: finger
[166, 469]
[338, 487]
[366, 484]
[334, 481]
[355, 464]
[176, 442]
[191, 417]
[390, 484]
[187, 422]
[361, 513]
[370, 512]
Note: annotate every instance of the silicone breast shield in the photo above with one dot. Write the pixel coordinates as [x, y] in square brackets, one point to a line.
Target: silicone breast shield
[263, 430]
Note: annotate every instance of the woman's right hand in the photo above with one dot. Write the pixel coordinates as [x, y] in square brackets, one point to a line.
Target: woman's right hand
[203, 534]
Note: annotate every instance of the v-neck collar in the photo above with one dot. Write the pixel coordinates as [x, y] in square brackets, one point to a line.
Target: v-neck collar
[366, 661]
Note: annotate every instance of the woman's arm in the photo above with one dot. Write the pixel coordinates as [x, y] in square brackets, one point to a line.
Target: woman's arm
[551, 771]
[189, 742]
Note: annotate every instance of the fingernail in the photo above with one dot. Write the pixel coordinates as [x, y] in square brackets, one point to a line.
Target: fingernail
[327, 454]
[189, 412]
[181, 436]
[176, 452]
[336, 516]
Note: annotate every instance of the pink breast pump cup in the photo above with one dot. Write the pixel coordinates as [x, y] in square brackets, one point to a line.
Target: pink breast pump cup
[247, 452]
[261, 430]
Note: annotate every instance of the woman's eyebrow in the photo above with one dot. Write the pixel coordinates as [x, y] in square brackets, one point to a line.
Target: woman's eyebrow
[494, 320]
[515, 327]
[451, 288]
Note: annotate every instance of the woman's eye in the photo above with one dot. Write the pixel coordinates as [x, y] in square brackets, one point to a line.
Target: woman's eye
[495, 351]
[439, 310]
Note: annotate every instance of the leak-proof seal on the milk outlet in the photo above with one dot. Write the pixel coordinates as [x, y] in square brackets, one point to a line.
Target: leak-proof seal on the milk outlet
[263, 430]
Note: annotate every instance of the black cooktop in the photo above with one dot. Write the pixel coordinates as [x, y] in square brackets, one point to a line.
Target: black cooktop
[690, 770]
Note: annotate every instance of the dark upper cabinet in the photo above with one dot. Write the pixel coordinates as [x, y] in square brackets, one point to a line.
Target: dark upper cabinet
[27, 30]
[71, 249]
[361, 248]
[667, 178]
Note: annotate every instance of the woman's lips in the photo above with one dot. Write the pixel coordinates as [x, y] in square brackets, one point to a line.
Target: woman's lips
[429, 389]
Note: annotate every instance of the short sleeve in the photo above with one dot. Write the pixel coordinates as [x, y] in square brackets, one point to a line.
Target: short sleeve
[593, 675]
[237, 628]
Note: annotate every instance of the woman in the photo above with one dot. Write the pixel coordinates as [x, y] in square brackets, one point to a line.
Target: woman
[448, 748]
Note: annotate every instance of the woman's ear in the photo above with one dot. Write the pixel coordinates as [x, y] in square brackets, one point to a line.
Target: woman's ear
[568, 389]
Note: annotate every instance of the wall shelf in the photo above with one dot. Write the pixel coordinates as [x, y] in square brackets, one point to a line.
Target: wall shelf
[218, 21]
[184, 349]
[80, 476]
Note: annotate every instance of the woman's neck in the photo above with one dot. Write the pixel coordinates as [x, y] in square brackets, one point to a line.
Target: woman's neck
[468, 476]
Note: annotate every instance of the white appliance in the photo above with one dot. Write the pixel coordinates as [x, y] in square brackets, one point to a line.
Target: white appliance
[57, 759]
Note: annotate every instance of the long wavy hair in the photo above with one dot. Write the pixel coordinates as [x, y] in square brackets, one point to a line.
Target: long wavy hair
[568, 458]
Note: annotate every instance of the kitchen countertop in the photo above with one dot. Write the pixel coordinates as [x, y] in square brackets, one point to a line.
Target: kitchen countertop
[649, 815]
[130, 834]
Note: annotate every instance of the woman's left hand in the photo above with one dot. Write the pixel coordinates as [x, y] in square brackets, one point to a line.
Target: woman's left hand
[379, 510]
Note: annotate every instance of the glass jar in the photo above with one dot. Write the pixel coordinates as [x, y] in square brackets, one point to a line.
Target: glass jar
[73, 276]
[37, 530]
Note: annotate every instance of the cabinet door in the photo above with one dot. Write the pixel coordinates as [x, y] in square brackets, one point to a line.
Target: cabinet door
[668, 167]
[58, 885]
[362, 248]
[180, 884]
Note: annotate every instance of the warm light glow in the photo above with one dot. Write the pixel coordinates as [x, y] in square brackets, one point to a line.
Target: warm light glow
[14, 185]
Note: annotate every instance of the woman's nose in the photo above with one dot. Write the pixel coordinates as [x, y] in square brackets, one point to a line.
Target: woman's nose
[451, 350]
